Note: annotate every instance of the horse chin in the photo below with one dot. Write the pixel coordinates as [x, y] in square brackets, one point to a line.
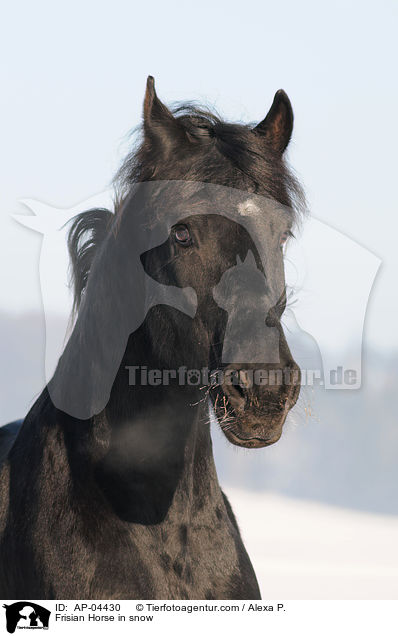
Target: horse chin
[252, 430]
[257, 436]
[259, 440]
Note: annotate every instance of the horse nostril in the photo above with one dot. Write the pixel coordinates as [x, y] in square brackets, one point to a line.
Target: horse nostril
[240, 391]
[245, 380]
[236, 395]
[239, 385]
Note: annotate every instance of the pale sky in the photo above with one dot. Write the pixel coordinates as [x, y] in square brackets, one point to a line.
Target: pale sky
[72, 84]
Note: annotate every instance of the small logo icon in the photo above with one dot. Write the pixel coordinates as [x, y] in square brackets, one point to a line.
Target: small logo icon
[26, 615]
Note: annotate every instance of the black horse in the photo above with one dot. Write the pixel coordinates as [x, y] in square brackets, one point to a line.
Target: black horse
[109, 489]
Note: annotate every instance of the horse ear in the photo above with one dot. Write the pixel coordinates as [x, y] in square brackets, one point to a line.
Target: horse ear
[277, 126]
[160, 126]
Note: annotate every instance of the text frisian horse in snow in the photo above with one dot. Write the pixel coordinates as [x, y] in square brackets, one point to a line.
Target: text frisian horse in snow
[108, 489]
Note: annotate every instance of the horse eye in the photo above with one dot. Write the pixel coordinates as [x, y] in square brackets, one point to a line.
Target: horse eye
[182, 235]
[284, 237]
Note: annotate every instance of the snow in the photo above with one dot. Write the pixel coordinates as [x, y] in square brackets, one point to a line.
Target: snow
[306, 550]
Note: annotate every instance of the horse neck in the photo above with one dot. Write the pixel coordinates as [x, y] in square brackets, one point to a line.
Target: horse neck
[158, 462]
[149, 446]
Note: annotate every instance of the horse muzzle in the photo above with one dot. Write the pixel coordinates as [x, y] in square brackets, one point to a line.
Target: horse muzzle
[251, 405]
